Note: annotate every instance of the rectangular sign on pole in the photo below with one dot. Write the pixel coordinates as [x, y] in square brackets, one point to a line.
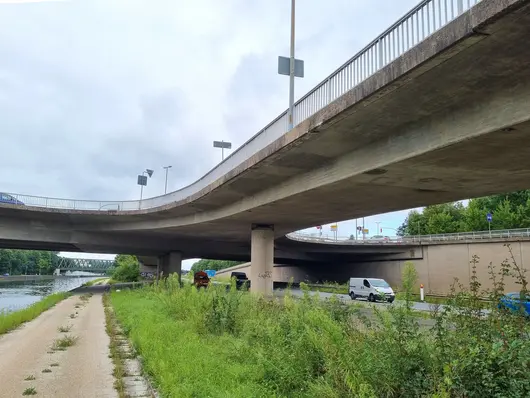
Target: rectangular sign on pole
[222, 144]
[142, 180]
[489, 217]
[284, 67]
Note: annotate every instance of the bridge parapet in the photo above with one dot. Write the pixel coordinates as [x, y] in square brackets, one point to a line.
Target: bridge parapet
[477, 236]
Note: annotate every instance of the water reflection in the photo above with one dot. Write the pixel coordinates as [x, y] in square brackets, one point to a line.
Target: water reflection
[18, 295]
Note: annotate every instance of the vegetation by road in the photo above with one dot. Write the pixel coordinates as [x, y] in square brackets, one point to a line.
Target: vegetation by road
[93, 282]
[126, 269]
[510, 210]
[215, 265]
[237, 344]
[329, 287]
[12, 320]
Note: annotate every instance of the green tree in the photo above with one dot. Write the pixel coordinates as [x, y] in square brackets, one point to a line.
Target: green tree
[127, 268]
[216, 265]
[16, 262]
[510, 210]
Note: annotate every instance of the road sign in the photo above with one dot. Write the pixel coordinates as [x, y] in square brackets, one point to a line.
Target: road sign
[222, 144]
[366, 231]
[210, 272]
[284, 67]
[142, 180]
[489, 217]
[149, 171]
[333, 227]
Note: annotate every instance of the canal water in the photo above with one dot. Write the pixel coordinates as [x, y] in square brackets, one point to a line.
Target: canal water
[18, 295]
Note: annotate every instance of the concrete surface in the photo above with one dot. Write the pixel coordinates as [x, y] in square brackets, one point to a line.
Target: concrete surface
[84, 370]
[447, 120]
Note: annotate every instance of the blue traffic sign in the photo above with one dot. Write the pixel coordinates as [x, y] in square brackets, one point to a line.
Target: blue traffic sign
[489, 217]
[210, 272]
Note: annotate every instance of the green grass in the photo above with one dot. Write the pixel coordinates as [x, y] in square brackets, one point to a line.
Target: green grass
[111, 327]
[330, 287]
[94, 281]
[30, 391]
[12, 320]
[64, 342]
[214, 343]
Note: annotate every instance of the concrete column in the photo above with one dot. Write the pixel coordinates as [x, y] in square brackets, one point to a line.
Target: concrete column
[261, 258]
[170, 263]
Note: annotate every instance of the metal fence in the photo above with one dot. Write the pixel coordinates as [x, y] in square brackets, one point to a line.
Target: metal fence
[400, 240]
[419, 23]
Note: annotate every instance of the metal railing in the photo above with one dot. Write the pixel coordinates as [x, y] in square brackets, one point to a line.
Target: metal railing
[419, 23]
[393, 240]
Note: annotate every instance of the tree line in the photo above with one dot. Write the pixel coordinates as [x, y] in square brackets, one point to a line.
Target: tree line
[20, 262]
[215, 265]
[508, 211]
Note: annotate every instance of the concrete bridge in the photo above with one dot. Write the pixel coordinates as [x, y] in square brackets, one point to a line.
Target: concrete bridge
[435, 109]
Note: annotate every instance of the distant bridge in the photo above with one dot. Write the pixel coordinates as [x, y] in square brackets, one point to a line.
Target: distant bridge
[82, 264]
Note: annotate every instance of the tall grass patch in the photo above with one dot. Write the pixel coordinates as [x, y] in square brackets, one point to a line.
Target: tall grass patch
[227, 343]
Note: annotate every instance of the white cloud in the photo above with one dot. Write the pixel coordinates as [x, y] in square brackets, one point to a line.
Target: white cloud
[94, 92]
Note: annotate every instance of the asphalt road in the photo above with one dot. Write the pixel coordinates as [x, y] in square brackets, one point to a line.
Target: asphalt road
[344, 297]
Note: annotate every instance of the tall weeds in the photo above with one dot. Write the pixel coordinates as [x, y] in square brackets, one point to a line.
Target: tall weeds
[246, 345]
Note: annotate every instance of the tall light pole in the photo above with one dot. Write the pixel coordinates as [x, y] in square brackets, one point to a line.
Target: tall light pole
[377, 223]
[291, 67]
[167, 169]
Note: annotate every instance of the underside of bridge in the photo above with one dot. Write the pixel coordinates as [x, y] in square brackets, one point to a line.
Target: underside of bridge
[447, 120]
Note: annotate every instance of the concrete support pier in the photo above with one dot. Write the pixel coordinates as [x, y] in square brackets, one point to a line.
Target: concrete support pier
[262, 258]
[170, 263]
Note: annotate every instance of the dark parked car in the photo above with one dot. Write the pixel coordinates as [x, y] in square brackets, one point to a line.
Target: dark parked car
[6, 198]
[241, 279]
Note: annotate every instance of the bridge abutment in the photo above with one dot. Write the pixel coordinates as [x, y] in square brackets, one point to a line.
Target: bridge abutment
[262, 258]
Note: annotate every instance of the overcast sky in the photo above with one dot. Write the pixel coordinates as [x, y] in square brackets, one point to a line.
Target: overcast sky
[92, 92]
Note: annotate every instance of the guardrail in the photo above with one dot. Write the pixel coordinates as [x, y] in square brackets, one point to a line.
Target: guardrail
[419, 23]
[393, 240]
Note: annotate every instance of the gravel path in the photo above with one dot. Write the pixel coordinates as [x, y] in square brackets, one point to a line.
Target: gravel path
[83, 370]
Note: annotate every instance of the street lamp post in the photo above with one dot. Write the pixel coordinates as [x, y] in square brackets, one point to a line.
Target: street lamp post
[167, 169]
[291, 67]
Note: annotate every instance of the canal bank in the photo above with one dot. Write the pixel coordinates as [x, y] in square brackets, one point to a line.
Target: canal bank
[62, 353]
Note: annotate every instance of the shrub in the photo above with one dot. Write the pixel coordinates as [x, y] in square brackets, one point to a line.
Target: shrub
[127, 269]
[247, 345]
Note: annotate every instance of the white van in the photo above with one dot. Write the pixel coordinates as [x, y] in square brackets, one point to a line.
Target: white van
[371, 288]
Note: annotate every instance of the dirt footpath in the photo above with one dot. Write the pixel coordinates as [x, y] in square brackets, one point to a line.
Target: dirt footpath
[82, 370]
